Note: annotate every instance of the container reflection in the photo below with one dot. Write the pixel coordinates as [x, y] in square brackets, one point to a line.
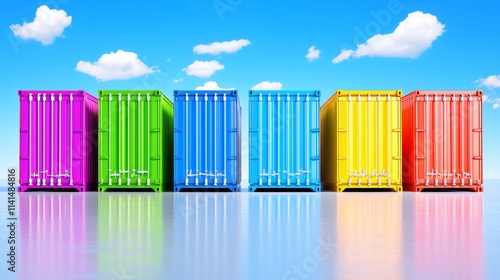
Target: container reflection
[369, 235]
[284, 236]
[54, 236]
[448, 234]
[207, 236]
[130, 243]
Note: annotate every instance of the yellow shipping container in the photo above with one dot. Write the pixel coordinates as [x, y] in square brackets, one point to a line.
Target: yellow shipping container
[361, 140]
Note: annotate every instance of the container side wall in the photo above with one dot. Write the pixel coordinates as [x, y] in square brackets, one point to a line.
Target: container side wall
[91, 140]
[168, 143]
[409, 134]
[329, 144]
[284, 140]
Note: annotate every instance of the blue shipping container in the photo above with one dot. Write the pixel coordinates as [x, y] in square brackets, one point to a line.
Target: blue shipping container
[284, 140]
[207, 140]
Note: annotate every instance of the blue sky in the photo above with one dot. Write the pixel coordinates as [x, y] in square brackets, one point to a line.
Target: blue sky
[442, 47]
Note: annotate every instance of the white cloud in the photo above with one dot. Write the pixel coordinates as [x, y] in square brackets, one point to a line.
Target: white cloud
[344, 54]
[211, 85]
[178, 80]
[412, 37]
[203, 69]
[312, 53]
[491, 81]
[268, 86]
[221, 47]
[47, 25]
[494, 101]
[121, 65]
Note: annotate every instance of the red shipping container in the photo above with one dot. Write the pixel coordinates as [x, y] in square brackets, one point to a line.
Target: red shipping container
[442, 140]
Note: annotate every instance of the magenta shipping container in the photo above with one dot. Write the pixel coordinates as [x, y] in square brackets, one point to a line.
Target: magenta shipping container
[58, 140]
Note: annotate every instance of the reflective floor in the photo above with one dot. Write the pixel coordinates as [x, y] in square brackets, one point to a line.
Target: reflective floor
[125, 236]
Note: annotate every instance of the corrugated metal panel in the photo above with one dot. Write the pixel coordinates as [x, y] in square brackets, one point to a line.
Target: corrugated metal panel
[207, 145]
[135, 139]
[57, 140]
[284, 139]
[361, 140]
[443, 140]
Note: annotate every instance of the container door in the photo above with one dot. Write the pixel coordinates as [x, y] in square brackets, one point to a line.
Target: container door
[468, 113]
[284, 138]
[206, 139]
[130, 150]
[369, 140]
[146, 169]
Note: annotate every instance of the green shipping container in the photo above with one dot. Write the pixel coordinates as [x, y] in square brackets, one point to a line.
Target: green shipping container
[136, 129]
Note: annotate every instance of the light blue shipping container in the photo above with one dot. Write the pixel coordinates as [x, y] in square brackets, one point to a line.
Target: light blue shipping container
[207, 140]
[284, 140]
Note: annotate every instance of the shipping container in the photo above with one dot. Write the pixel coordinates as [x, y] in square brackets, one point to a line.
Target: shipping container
[284, 140]
[443, 140]
[135, 140]
[58, 140]
[207, 141]
[361, 140]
